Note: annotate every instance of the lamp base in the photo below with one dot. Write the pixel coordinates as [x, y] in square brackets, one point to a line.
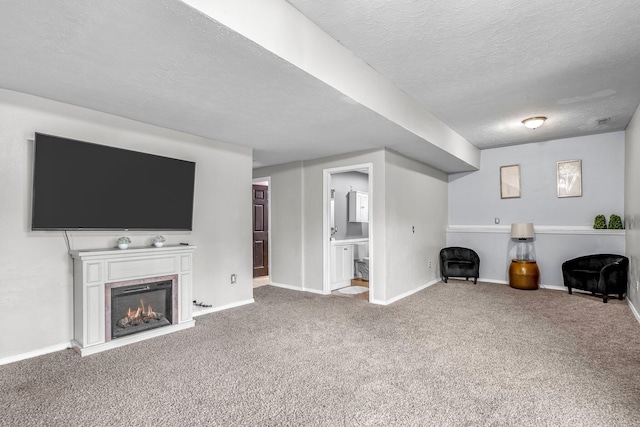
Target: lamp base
[524, 274]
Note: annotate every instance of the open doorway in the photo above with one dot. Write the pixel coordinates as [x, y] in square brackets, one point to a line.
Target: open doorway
[347, 228]
[260, 232]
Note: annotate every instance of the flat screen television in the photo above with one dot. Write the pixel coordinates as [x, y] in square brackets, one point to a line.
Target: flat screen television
[85, 186]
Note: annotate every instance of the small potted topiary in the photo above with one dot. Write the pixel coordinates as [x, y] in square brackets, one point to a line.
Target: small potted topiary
[615, 222]
[123, 242]
[600, 222]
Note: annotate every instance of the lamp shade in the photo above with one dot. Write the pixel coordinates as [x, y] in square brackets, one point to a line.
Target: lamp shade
[523, 230]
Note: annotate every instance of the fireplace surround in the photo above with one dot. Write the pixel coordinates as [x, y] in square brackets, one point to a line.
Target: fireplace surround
[167, 272]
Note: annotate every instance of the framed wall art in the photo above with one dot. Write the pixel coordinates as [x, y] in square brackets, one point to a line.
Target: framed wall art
[510, 182]
[569, 178]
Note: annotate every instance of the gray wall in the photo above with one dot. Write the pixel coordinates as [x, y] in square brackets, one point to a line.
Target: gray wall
[416, 219]
[552, 247]
[343, 183]
[36, 269]
[563, 225]
[285, 214]
[632, 207]
[313, 227]
[399, 258]
[475, 196]
[303, 183]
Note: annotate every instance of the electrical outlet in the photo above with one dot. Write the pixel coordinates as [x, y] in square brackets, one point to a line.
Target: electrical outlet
[234, 278]
[429, 264]
[497, 220]
[637, 286]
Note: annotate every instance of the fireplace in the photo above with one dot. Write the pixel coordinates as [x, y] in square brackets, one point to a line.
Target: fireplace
[98, 273]
[140, 305]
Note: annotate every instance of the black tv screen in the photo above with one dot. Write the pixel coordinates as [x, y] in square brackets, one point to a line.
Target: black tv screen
[80, 185]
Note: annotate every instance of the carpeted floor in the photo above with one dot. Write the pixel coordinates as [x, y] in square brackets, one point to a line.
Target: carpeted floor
[453, 354]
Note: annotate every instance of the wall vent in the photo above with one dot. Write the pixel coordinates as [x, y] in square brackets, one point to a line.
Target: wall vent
[603, 121]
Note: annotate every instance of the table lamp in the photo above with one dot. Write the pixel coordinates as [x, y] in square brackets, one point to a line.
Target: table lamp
[523, 271]
[522, 232]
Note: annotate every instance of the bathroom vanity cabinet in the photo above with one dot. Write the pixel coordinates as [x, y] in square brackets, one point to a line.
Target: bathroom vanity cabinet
[342, 265]
[344, 254]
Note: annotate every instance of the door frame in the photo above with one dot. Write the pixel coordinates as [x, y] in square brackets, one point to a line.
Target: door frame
[266, 179]
[326, 228]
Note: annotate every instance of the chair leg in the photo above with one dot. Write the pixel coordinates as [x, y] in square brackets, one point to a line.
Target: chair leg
[570, 291]
[621, 296]
[604, 298]
[475, 280]
[445, 278]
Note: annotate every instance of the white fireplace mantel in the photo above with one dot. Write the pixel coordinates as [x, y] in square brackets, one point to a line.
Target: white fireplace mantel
[92, 269]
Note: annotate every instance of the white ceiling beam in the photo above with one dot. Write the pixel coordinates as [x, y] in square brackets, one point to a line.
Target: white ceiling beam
[283, 30]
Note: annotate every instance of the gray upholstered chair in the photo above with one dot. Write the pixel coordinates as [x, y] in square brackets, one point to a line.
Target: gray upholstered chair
[599, 274]
[459, 262]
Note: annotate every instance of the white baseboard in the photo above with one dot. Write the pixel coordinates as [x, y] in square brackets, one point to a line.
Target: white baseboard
[499, 282]
[633, 310]
[296, 288]
[564, 289]
[36, 353]
[404, 295]
[542, 286]
[283, 286]
[315, 291]
[199, 311]
[554, 287]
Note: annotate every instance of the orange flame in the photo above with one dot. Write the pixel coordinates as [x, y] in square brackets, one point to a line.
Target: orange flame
[140, 313]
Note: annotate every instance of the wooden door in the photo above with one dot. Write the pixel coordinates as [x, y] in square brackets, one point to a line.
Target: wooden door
[260, 230]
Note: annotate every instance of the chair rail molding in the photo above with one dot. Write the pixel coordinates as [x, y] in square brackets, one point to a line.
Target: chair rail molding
[540, 229]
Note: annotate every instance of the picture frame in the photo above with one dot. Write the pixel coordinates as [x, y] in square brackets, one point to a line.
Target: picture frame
[510, 182]
[569, 178]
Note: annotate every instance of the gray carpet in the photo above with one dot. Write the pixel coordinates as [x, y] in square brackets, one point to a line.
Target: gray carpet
[453, 354]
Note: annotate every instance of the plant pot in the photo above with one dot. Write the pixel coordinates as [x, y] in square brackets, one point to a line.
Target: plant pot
[158, 244]
[123, 245]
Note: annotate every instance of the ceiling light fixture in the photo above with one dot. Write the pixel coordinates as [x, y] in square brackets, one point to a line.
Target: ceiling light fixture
[534, 122]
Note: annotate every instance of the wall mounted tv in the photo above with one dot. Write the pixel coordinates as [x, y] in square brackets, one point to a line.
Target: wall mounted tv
[84, 186]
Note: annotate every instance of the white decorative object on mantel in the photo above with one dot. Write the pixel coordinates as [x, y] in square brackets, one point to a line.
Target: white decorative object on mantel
[158, 241]
[92, 269]
[123, 242]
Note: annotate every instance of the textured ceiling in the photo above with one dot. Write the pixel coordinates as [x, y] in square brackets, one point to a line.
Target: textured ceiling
[483, 66]
[161, 62]
[479, 69]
